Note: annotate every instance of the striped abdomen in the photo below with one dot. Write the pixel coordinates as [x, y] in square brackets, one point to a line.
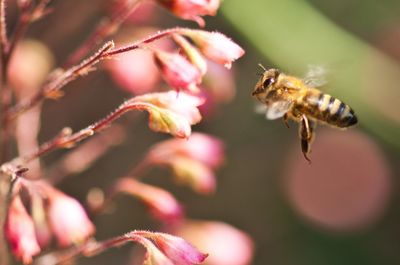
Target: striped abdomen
[326, 108]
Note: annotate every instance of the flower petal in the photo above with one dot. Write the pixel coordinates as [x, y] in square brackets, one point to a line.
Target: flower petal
[67, 218]
[177, 71]
[20, 232]
[200, 146]
[170, 112]
[192, 9]
[225, 243]
[161, 203]
[178, 250]
[215, 46]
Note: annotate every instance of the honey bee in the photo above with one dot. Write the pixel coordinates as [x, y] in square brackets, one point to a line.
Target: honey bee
[290, 97]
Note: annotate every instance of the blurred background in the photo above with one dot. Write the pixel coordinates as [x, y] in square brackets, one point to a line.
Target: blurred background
[341, 209]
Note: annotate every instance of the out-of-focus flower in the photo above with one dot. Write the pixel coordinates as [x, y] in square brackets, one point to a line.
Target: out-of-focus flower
[170, 112]
[178, 250]
[177, 71]
[161, 203]
[224, 243]
[192, 53]
[143, 12]
[22, 75]
[218, 86]
[215, 46]
[193, 173]
[135, 72]
[42, 229]
[29, 66]
[67, 218]
[192, 160]
[20, 232]
[192, 9]
[201, 147]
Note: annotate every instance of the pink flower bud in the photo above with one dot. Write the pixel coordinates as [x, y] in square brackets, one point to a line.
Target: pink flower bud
[161, 203]
[171, 112]
[215, 46]
[20, 232]
[22, 76]
[193, 173]
[153, 255]
[177, 71]
[192, 53]
[192, 9]
[201, 147]
[175, 248]
[42, 229]
[164, 120]
[135, 72]
[68, 219]
[225, 243]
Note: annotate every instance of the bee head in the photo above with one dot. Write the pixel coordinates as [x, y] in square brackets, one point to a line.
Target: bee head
[266, 81]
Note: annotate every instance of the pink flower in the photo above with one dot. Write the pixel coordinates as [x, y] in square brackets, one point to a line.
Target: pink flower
[170, 112]
[192, 9]
[42, 229]
[161, 203]
[22, 76]
[192, 53]
[192, 161]
[175, 248]
[215, 46]
[201, 147]
[68, 219]
[225, 243]
[135, 72]
[220, 83]
[153, 255]
[192, 173]
[20, 232]
[177, 71]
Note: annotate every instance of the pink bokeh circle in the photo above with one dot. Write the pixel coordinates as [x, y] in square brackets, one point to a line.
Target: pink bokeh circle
[347, 186]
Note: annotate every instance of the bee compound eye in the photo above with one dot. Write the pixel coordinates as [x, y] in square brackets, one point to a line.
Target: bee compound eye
[268, 81]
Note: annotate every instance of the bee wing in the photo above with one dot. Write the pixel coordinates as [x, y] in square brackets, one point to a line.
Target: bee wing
[260, 108]
[277, 109]
[315, 76]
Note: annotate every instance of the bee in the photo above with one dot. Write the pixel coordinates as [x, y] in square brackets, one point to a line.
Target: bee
[289, 97]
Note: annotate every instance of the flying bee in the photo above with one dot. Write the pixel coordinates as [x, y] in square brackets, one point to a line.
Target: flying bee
[290, 97]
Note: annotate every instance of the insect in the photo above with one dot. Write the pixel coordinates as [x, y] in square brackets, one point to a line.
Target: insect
[289, 97]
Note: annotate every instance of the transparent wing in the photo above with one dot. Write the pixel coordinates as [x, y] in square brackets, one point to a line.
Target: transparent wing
[315, 76]
[277, 109]
[260, 108]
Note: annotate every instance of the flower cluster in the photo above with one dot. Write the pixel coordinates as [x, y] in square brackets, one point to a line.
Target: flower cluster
[40, 218]
[53, 213]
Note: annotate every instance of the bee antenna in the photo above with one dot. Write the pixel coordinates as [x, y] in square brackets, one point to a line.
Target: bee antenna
[259, 74]
[262, 67]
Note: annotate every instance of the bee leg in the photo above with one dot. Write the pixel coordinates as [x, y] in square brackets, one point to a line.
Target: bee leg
[285, 120]
[306, 132]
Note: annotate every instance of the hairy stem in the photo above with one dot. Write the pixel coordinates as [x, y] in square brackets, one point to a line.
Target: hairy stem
[67, 139]
[52, 88]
